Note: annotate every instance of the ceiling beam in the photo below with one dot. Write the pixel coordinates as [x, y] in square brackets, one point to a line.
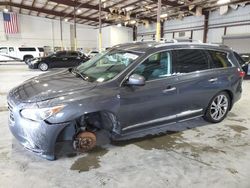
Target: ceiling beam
[46, 11]
[79, 5]
[168, 3]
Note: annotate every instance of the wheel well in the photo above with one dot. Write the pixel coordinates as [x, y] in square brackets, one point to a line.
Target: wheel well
[26, 56]
[99, 120]
[230, 93]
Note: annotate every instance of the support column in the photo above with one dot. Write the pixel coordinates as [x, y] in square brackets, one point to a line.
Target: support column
[75, 39]
[158, 24]
[100, 26]
[134, 33]
[162, 29]
[205, 31]
[61, 34]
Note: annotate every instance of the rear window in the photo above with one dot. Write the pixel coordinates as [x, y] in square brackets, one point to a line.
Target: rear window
[73, 54]
[189, 60]
[219, 59]
[27, 49]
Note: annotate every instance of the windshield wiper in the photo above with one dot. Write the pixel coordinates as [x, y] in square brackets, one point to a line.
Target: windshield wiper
[74, 71]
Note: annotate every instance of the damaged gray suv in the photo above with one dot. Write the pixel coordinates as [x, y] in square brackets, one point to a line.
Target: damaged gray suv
[132, 90]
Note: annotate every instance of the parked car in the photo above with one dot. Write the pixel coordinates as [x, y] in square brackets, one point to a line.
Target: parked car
[20, 53]
[244, 60]
[92, 53]
[130, 91]
[60, 59]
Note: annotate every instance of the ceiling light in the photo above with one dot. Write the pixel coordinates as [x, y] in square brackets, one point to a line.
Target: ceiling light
[66, 19]
[119, 25]
[5, 10]
[132, 22]
[79, 11]
[164, 15]
[220, 2]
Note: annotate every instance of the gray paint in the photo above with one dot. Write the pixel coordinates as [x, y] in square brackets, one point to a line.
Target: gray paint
[130, 105]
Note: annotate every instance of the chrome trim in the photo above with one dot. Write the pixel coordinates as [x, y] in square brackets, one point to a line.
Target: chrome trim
[190, 118]
[189, 112]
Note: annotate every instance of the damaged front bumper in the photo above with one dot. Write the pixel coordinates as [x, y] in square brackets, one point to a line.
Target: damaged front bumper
[39, 137]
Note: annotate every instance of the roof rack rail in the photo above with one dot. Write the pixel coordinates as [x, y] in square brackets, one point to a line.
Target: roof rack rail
[180, 40]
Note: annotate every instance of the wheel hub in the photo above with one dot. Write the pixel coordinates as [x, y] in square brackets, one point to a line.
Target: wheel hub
[84, 141]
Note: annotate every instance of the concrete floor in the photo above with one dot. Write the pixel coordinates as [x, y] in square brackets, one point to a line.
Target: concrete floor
[201, 155]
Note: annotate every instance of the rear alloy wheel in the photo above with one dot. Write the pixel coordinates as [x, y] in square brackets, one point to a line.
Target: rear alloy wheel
[84, 141]
[218, 108]
[43, 66]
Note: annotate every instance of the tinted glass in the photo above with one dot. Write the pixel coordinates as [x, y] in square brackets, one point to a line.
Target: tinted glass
[41, 49]
[189, 60]
[11, 49]
[156, 66]
[219, 59]
[3, 50]
[239, 59]
[27, 49]
[73, 54]
[61, 54]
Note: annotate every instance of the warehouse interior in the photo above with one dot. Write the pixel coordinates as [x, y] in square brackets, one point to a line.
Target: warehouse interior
[191, 153]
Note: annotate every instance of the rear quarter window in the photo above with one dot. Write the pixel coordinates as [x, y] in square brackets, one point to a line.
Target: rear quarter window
[219, 59]
[41, 49]
[27, 49]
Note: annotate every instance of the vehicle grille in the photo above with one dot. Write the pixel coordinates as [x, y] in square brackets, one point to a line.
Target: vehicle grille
[11, 116]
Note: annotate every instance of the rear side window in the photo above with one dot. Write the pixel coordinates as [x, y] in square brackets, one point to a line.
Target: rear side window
[27, 49]
[189, 60]
[219, 59]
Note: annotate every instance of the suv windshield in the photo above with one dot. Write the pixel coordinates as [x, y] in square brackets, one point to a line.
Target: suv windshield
[106, 66]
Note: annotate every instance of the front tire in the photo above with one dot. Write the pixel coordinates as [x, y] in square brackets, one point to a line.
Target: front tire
[43, 66]
[218, 108]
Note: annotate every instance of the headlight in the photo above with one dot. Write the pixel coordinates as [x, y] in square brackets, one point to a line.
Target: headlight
[38, 114]
[34, 61]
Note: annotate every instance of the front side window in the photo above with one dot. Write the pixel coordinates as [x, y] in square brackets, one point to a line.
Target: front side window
[11, 49]
[156, 66]
[219, 59]
[189, 60]
[106, 66]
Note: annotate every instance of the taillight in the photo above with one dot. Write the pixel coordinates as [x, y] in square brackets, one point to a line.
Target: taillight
[241, 73]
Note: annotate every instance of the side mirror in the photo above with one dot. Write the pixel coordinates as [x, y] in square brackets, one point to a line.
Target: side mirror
[136, 80]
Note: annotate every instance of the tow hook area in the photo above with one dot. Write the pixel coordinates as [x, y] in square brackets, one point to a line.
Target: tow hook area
[84, 141]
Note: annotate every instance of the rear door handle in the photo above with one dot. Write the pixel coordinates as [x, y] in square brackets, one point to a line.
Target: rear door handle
[213, 80]
[169, 89]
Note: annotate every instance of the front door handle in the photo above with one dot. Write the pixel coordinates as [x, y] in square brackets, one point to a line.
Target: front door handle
[169, 89]
[213, 80]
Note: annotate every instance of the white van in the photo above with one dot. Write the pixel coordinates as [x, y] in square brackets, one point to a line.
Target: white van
[20, 53]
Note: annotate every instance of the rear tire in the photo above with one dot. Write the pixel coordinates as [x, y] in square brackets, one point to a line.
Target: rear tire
[218, 108]
[43, 66]
[27, 58]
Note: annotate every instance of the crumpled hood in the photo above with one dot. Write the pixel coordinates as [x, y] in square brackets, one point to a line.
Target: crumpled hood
[48, 86]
